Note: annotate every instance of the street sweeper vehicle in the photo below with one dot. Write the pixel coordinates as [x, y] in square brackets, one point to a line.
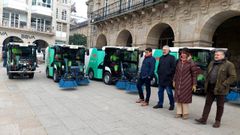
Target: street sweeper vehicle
[115, 65]
[21, 60]
[65, 64]
[202, 56]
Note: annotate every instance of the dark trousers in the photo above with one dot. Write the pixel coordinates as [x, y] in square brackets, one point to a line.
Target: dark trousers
[208, 104]
[140, 83]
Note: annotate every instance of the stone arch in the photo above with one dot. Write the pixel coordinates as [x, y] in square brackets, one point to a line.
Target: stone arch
[101, 41]
[221, 30]
[11, 39]
[160, 34]
[124, 38]
[41, 44]
[208, 27]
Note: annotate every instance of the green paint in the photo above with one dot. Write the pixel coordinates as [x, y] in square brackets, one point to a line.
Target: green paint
[96, 58]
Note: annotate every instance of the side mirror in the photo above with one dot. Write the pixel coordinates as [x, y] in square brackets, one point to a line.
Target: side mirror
[87, 52]
[141, 53]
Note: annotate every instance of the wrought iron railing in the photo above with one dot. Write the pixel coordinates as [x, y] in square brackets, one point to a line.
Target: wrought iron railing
[121, 7]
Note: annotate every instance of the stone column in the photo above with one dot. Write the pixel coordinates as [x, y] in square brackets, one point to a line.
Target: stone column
[29, 15]
[1, 11]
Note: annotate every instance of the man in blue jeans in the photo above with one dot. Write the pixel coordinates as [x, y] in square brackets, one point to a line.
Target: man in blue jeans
[166, 69]
[146, 75]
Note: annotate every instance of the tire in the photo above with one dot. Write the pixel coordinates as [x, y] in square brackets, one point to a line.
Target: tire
[154, 81]
[55, 76]
[10, 76]
[47, 73]
[31, 75]
[107, 78]
[90, 74]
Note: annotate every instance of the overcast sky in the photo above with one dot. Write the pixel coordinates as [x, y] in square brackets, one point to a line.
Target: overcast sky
[81, 7]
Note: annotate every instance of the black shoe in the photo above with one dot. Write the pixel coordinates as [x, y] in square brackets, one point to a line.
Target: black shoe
[217, 124]
[201, 121]
[171, 108]
[157, 106]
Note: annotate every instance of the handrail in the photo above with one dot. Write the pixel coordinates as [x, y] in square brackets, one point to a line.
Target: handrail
[121, 7]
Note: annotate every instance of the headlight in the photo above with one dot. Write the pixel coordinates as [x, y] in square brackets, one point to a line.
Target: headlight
[62, 66]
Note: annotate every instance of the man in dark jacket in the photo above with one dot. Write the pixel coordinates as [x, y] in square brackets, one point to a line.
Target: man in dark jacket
[221, 73]
[166, 69]
[146, 75]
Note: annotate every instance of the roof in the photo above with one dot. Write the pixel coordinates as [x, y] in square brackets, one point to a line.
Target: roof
[121, 47]
[70, 46]
[79, 25]
[176, 49]
[20, 44]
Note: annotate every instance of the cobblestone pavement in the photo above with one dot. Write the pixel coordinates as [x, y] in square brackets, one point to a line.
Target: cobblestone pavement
[38, 107]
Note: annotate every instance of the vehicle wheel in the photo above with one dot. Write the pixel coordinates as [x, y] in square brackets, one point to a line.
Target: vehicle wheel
[107, 78]
[91, 74]
[47, 73]
[55, 76]
[10, 76]
[31, 75]
[154, 81]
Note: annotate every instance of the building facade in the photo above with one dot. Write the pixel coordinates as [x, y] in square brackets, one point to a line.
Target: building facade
[42, 22]
[81, 28]
[154, 23]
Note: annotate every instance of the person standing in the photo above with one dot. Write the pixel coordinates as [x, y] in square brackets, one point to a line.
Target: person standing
[146, 75]
[166, 69]
[220, 74]
[184, 82]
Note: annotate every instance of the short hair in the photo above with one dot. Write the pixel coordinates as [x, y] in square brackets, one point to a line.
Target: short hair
[166, 46]
[149, 49]
[220, 50]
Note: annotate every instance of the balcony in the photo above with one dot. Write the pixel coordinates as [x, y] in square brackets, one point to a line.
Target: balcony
[16, 4]
[41, 28]
[120, 8]
[16, 24]
[42, 9]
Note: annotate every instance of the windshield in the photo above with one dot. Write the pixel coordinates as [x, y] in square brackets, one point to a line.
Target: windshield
[130, 62]
[74, 54]
[130, 56]
[201, 57]
[24, 52]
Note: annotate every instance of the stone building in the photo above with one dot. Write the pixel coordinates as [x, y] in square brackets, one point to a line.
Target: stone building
[42, 22]
[81, 28]
[154, 23]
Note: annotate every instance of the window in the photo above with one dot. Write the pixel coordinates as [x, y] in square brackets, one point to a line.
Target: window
[40, 24]
[14, 20]
[43, 3]
[34, 2]
[5, 21]
[64, 15]
[64, 1]
[59, 27]
[57, 13]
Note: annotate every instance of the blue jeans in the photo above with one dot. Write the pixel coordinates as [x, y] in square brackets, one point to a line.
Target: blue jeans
[161, 95]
